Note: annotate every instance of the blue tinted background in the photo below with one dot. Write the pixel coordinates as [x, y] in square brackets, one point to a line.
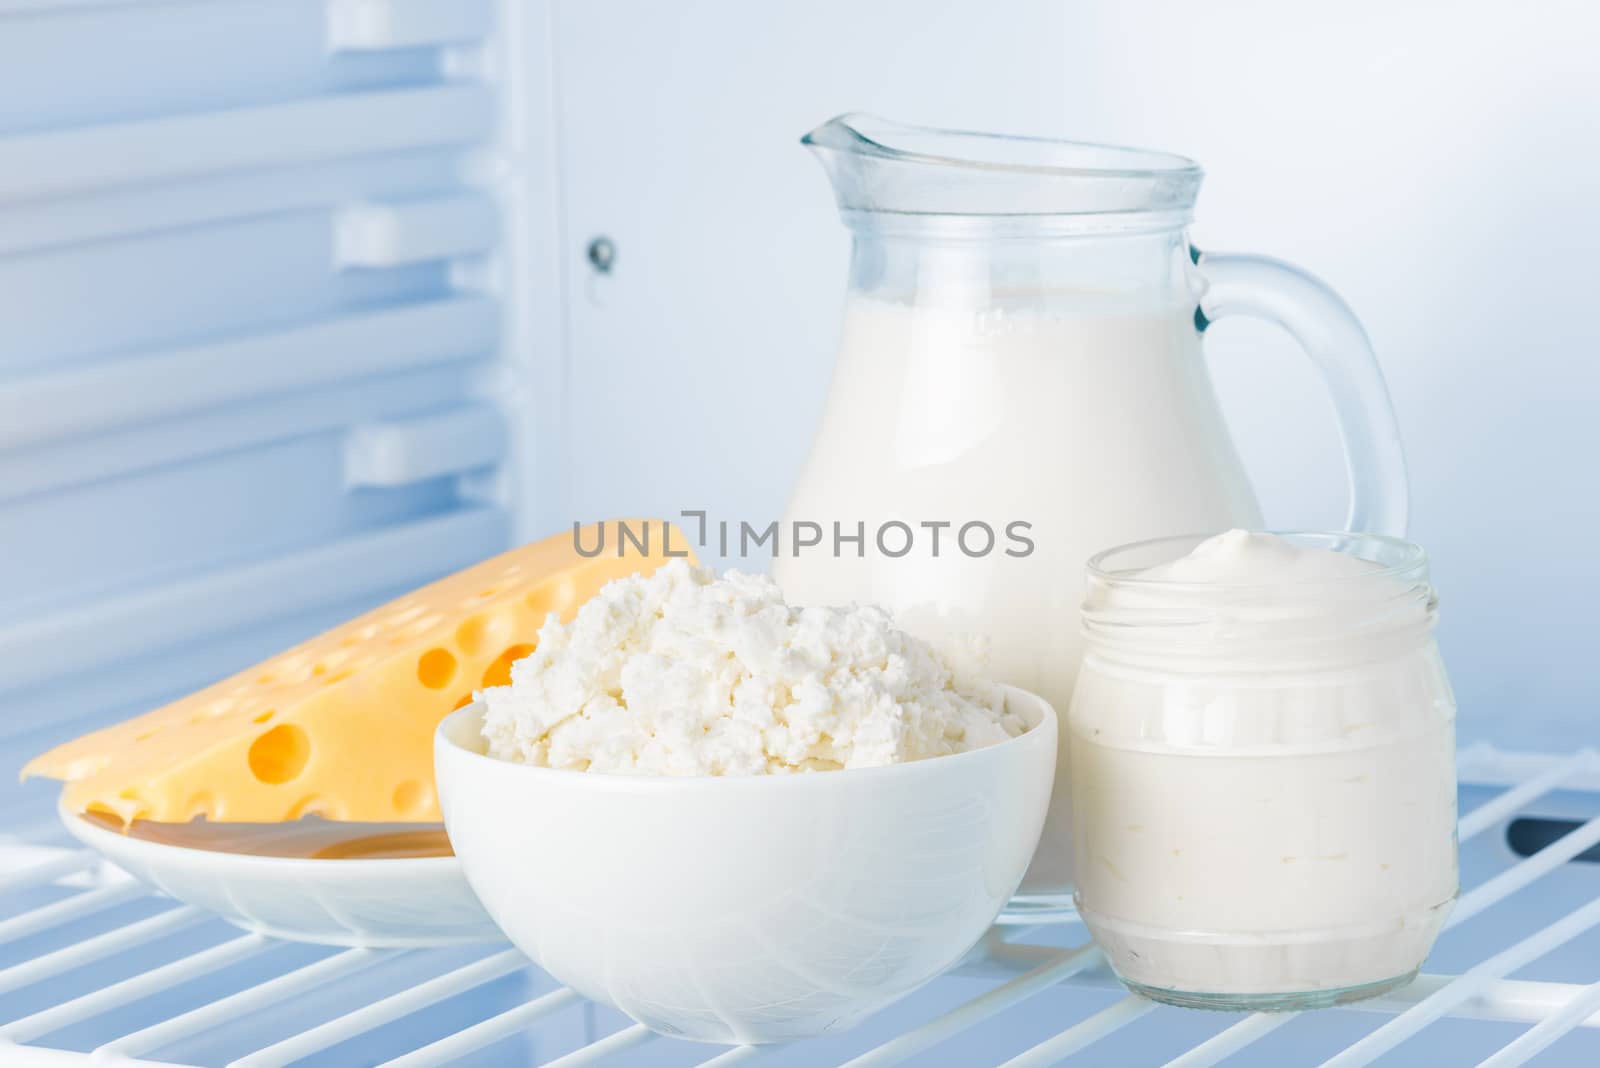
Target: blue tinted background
[1438, 170]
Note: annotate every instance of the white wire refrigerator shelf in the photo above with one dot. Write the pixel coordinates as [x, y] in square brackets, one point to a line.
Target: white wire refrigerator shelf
[95, 969]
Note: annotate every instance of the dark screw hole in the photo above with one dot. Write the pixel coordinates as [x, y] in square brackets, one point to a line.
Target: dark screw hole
[602, 254]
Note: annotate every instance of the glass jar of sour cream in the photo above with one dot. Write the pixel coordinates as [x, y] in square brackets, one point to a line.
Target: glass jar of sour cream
[1263, 768]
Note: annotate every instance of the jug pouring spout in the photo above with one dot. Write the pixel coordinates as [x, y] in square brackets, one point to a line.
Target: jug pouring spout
[881, 166]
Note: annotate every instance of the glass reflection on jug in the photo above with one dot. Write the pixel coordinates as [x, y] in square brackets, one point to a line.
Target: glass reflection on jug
[1020, 382]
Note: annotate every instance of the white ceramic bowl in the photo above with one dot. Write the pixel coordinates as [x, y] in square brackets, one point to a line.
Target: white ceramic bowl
[747, 909]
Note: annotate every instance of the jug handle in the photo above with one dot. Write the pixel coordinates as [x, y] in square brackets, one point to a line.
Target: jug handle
[1260, 287]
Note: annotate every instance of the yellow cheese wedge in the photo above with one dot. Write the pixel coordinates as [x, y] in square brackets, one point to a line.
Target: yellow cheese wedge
[342, 725]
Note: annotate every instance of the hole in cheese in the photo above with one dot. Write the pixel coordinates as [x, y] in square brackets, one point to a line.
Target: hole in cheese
[482, 632]
[412, 796]
[435, 668]
[280, 755]
[200, 806]
[263, 717]
[214, 710]
[499, 672]
[556, 597]
[469, 636]
[462, 702]
[314, 805]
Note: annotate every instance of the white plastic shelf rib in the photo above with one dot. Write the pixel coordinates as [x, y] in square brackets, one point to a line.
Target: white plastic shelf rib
[1010, 967]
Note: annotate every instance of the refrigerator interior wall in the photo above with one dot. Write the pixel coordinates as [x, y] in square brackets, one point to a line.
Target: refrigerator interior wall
[1436, 169]
[249, 315]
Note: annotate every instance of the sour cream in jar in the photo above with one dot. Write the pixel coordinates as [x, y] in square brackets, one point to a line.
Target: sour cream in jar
[1262, 768]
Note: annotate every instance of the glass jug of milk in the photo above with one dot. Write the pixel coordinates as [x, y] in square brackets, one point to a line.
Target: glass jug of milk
[1019, 384]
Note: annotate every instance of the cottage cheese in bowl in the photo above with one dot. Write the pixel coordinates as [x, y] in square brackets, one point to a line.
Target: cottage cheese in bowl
[740, 821]
[686, 674]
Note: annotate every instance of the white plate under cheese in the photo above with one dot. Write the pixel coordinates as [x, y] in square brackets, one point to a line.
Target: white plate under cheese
[409, 901]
